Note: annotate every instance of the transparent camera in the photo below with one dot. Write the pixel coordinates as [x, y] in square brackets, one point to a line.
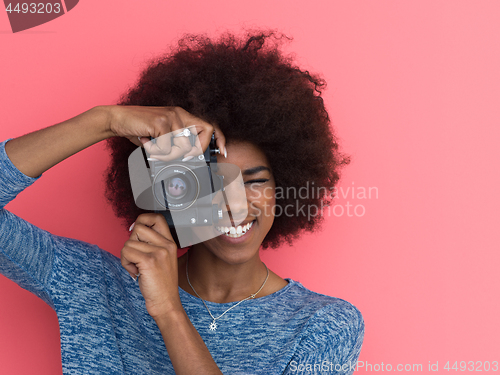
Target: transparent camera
[194, 194]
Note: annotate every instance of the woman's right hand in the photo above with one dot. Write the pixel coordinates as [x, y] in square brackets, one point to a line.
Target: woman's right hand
[36, 152]
[139, 124]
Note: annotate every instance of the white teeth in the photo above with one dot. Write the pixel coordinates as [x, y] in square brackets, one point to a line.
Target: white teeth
[235, 232]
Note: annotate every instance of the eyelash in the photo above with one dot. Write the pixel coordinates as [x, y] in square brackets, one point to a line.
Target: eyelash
[258, 181]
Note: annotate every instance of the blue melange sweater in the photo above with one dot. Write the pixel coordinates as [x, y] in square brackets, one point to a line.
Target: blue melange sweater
[106, 329]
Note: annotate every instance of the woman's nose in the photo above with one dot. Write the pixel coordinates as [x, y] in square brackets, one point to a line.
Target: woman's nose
[235, 202]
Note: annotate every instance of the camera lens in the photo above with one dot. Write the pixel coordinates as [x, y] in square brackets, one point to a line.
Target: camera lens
[176, 188]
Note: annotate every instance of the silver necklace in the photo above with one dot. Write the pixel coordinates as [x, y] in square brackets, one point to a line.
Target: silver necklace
[213, 325]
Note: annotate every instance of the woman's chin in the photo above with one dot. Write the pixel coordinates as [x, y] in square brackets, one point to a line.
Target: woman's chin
[235, 249]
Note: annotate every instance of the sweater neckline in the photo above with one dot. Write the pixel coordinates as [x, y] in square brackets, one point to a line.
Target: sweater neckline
[276, 294]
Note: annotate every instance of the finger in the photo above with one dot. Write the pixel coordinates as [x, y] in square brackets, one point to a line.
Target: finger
[160, 145]
[163, 144]
[135, 254]
[148, 235]
[135, 140]
[205, 132]
[164, 126]
[155, 222]
[163, 149]
[132, 258]
[196, 148]
[220, 140]
[169, 128]
[182, 144]
[126, 260]
[204, 129]
[141, 258]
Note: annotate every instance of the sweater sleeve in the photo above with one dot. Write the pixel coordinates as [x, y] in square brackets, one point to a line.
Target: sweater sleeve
[26, 251]
[331, 343]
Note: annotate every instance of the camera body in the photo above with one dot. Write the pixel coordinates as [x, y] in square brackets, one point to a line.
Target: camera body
[190, 194]
[183, 191]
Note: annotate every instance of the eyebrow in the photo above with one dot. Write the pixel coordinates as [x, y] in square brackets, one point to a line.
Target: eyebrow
[255, 170]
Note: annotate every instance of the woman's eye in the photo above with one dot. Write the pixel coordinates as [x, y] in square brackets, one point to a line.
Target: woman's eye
[258, 181]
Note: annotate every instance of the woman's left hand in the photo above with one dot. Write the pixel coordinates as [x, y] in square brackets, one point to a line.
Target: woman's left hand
[152, 253]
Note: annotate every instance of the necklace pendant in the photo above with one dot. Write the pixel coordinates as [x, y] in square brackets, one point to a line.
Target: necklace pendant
[213, 326]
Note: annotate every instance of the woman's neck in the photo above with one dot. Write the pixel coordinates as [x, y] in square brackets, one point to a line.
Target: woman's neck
[218, 281]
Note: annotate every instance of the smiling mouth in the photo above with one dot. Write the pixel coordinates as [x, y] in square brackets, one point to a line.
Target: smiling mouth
[235, 232]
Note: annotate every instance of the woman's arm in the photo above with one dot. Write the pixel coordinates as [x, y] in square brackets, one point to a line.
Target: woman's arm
[36, 152]
[152, 252]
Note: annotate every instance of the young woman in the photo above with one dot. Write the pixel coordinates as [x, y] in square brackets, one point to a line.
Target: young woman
[218, 308]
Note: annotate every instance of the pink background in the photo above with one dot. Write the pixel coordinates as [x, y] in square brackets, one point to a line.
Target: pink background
[414, 93]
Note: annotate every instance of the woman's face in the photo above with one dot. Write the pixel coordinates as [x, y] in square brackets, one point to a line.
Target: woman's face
[241, 243]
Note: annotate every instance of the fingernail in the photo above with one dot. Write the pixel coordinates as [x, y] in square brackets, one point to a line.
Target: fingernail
[225, 152]
[153, 159]
[133, 278]
[187, 158]
[131, 227]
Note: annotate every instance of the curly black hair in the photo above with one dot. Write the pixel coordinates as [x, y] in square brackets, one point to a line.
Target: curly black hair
[256, 94]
